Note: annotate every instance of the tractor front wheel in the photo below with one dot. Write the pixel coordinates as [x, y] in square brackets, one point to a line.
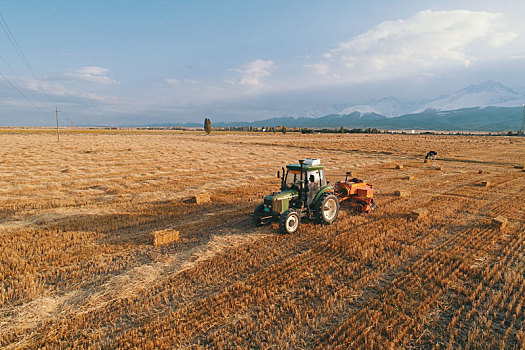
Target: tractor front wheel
[289, 222]
[326, 208]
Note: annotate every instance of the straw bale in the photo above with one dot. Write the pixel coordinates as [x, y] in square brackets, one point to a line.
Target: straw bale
[499, 222]
[401, 193]
[164, 236]
[418, 213]
[202, 198]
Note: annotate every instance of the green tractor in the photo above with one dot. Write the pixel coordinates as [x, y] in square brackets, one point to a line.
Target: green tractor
[304, 193]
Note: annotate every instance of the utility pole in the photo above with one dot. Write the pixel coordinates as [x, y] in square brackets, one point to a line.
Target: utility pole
[523, 122]
[58, 130]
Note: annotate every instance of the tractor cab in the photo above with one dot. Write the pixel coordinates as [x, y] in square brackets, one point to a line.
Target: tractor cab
[312, 180]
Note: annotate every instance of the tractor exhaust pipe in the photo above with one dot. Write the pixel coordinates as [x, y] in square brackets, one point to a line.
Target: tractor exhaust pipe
[304, 185]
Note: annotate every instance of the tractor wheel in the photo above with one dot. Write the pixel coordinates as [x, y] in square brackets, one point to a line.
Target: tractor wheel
[326, 208]
[289, 222]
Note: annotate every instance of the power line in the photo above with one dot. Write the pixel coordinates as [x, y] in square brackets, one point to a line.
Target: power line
[20, 53]
[11, 37]
[20, 92]
[20, 80]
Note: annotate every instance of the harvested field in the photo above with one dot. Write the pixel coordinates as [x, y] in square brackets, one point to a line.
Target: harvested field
[79, 270]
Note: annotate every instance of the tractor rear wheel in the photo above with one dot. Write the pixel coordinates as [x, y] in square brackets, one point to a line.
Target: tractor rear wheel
[289, 222]
[326, 208]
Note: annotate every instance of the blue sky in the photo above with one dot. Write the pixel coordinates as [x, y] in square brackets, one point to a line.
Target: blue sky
[139, 62]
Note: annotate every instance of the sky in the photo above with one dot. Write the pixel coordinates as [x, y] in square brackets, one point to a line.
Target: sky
[150, 62]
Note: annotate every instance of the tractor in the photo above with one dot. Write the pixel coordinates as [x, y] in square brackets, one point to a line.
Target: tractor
[305, 194]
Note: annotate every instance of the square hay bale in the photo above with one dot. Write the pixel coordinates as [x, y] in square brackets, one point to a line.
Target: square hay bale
[202, 198]
[485, 183]
[164, 236]
[499, 222]
[401, 193]
[418, 213]
[399, 166]
[438, 168]
[519, 166]
[408, 177]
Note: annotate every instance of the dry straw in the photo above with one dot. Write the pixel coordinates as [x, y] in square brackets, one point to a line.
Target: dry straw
[202, 198]
[164, 237]
[499, 222]
[418, 213]
[401, 193]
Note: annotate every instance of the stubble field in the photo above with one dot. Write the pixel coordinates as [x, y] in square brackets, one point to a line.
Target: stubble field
[78, 270]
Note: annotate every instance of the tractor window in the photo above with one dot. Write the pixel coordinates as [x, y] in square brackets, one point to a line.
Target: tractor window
[322, 178]
[315, 174]
[319, 178]
[292, 178]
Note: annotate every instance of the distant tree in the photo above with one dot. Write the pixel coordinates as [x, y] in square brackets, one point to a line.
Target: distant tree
[283, 129]
[342, 130]
[207, 125]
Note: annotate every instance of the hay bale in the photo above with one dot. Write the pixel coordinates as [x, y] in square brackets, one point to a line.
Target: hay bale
[402, 193]
[499, 222]
[438, 168]
[202, 198]
[164, 236]
[519, 166]
[485, 183]
[408, 177]
[427, 160]
[399, 166]
[418, 213]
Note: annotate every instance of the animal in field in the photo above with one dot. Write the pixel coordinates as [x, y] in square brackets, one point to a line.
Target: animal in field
[431, 155]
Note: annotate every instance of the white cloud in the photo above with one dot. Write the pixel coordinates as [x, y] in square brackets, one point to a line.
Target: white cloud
[172, 82]
[420, 45]
[92, 74]
[253, 72]
[318, 68]
[501, 39]
[54, 88]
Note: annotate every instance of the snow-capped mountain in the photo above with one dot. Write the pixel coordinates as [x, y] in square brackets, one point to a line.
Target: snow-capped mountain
[489, 93]
[388, 106]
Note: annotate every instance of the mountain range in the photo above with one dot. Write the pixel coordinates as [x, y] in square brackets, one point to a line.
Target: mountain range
[489, 106]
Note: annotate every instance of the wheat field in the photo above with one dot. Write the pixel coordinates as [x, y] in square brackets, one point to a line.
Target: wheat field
[78, 269]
